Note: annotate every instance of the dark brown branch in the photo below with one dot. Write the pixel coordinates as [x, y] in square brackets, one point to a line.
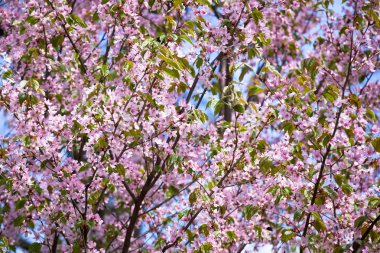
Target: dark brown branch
[55, 243]
[320, 175]
[357, 245]
[196, 79]
[71, 40]
[152, 178]
[193, 217]
[129, 191]
[168, 199]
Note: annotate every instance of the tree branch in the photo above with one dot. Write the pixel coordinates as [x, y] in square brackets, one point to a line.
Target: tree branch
[357, 245]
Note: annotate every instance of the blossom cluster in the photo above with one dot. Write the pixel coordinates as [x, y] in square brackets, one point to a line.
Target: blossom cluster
[190, 126]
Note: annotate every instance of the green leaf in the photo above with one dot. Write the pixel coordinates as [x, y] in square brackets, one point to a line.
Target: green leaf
[309, 111]
[186, 65]
[376, 144]
[287, 126]
[259, 231]
[204, 230]
[77, 20]
[190, 235]
[172, 72]
[95, 17]
[338, 249]
[170, 23]
[270, 68]
[349, 133]
[256, 15]
[128, 65]
[171, 62]
[3, 154]
[287, 235]
[31, 20]
[373, 202]
[244, 71]
[331, 192]
[231, 236]
[76, 247]
[320, 199]
[218, 107]
[206, 247]
[354, 100]
[298, 215]
[347, 189]
[371, 115]
[120, 169]
[319, 225]
[253, 52]
[197, 114]
[253, 90]
[326, 140]
[18, 221]
[265, 164]
[57, 41]
[34, 247]
[102, 143]
[278, 198]
[192, 198]
[20, 203]
[331, 93]
[375, 16]
[183, 213]
[161, 242]
[104, 70]
[339, 179]
[239, 108]
[360, 220]
[172, 190]
[311, 65]
[199, 62]
[249, 211]
[177, 3]
[262, 145]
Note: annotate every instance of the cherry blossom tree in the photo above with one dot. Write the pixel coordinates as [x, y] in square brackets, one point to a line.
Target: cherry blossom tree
[190, 126]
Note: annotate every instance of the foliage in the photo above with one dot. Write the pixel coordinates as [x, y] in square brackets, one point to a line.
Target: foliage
[189, 126]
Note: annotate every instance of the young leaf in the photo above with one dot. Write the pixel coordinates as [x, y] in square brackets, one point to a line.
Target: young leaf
[331, 93]
[35, 247]
[77, 20]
